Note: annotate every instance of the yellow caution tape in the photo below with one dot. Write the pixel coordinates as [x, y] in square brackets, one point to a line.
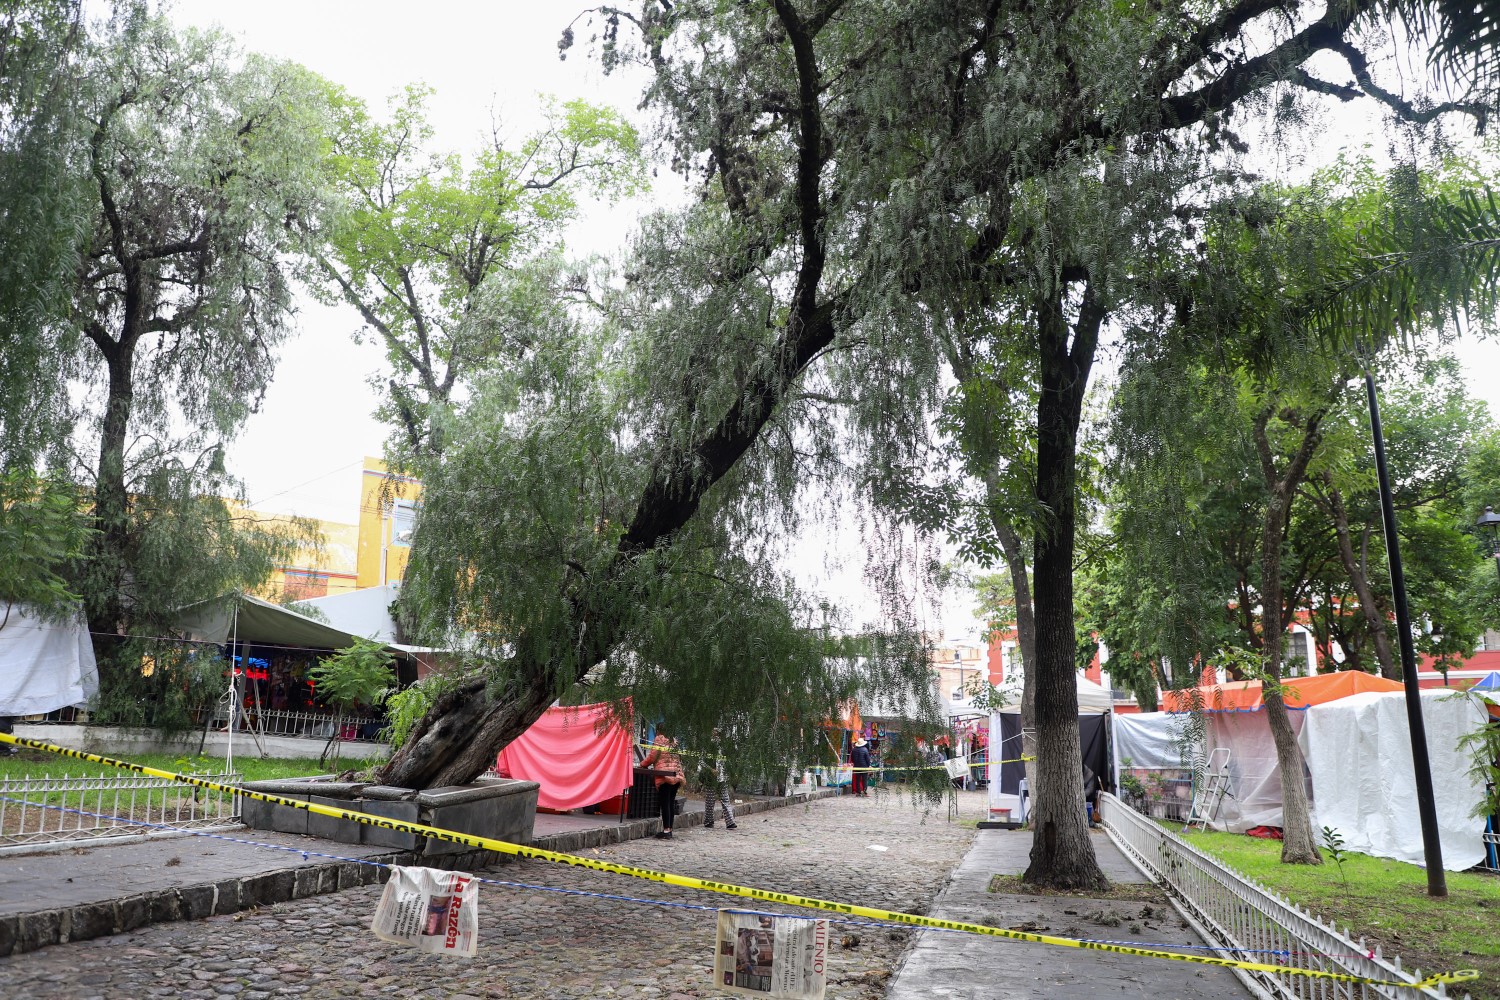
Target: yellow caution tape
[832, 767]
[728, 888]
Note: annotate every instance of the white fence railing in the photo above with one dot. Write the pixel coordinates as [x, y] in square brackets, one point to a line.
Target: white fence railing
[267, 722]
[1255, 925]
[1491, 860]
[310, 725]
[36, 812]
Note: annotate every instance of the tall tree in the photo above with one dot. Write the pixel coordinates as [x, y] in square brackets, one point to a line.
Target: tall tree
[420, 235]
[42, 211]
[196, 160]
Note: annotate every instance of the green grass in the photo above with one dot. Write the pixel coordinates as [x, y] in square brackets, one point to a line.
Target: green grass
[1387, 902]
[37, 763]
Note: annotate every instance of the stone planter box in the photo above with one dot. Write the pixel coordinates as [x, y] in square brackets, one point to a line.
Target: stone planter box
[503, 808]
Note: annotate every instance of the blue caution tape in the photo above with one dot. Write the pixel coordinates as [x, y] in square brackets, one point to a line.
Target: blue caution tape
[729, 888]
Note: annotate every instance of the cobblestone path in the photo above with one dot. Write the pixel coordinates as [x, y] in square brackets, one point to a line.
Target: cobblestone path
[540, 944]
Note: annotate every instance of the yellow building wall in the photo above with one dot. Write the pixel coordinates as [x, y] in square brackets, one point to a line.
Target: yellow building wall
[315, 571]
[387, 511]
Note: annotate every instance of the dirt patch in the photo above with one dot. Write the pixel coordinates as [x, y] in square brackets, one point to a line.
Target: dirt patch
[1120, 891]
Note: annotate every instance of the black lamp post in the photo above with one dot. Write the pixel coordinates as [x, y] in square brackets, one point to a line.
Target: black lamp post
[1489, 519]
[1432, 849]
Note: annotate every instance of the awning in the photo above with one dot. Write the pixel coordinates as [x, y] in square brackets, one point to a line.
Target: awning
[1245, 696]
[266, 624]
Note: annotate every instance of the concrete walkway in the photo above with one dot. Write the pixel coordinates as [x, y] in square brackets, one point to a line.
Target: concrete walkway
[949, 966]
[94, 891]
[536, 944]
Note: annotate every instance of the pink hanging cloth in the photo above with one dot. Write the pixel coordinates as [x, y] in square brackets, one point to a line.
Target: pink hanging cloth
[564, 752]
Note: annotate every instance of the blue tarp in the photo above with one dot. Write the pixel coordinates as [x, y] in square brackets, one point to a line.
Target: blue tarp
[1490, 682]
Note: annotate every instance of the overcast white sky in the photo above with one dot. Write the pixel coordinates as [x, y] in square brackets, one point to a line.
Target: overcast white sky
[302, 453]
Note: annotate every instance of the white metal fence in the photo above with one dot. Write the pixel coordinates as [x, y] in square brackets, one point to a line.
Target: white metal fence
[267, 722]
[36, 812]
[1254, 924]
[310, 725]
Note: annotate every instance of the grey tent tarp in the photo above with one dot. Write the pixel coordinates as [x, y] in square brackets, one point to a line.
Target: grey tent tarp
[263, 623]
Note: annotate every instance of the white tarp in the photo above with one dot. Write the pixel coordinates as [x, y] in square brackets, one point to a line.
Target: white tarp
[364, 612]
[1254, 783]
[1359, 752]
[1154, 740]
[1148, 739]
[44, 665]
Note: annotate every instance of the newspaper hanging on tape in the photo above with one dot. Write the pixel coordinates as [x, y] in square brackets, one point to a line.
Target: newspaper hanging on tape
[431, 910]
[771, 956]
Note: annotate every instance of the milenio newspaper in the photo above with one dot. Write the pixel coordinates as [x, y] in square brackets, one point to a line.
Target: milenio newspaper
[771, 956]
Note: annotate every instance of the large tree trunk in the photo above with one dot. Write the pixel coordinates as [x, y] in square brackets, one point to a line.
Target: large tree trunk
[111, 516]
[1297, 844]
[460, 737]
[1360, 581]
[1062, 854]
[1015, 561]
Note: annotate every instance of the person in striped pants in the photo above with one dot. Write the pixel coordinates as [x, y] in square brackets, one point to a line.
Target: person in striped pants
[716, 786]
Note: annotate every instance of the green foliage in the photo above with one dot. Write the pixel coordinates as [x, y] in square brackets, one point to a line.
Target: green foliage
[42, 531]
[167, 685]
[1134, 788]
[1186, 482]
[163, 170]
[864, 217]
[433, 249]
[996, 602]
[43, 214]
[1333, 843]
[358, 675]
[406, 707]
[1483, 747]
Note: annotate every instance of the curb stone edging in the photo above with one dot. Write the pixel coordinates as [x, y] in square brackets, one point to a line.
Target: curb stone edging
[31, 931]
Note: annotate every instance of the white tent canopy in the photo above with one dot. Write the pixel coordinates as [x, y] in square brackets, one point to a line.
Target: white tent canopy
[1092, 698]
[1359, 752]
[1156, 740]
[44, 665]
[365, 612]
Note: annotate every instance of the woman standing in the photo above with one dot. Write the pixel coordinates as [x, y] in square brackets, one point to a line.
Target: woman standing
[859, 758]
[662, 758]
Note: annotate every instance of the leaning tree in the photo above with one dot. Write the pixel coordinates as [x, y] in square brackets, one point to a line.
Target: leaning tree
[869, 178]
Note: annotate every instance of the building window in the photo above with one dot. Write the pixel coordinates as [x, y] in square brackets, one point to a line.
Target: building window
[1301, 654]
[403, 522]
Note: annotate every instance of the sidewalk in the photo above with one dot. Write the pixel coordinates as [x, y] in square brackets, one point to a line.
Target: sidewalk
[94, 891]
[948, 966]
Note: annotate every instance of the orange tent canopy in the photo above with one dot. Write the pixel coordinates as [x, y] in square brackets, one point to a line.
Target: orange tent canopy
[1245, 696]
